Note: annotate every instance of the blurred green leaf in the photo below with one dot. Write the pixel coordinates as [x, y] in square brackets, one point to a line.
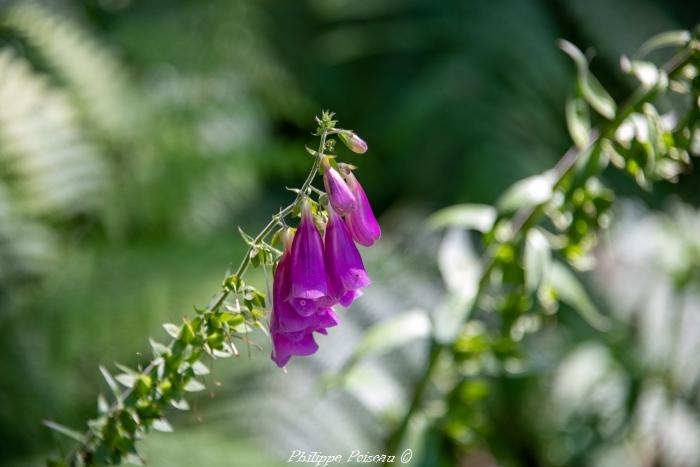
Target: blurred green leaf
[648, 74]
[126, 379]
[386, 335]
[479, 217]
[394, 332]
[172, 329]
[64, 430]
[110, 381]
[528, 192]
[537, 259]
[571, 292]
[578, 121]
[194, 386]
[590, 87]
[665, 39]
[161, 424]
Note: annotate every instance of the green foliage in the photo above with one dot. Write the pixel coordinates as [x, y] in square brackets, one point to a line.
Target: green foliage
[557, 217]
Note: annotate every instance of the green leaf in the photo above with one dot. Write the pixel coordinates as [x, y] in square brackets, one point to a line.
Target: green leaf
[578, 121]
[247, 238]
[64, 430]
[394, 332]
[478, 217]
[200, 368]
[646, 72]
[180, 404]
[450, 314]
[102, 404]
[460, 268]
[665, 39]
[173, 330]
[134, 459]
[537, 259]
[571, 292]
[110, 381]
[386, 335]
[530, 191]
[194, 386]
[126, 379]
[161, 424]
[158, 348]
[590, 87]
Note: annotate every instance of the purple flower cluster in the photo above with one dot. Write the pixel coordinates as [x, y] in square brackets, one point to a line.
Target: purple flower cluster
[315, 273]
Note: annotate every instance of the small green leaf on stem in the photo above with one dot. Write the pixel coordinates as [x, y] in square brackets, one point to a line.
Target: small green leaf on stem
[590, 87]
[161, 424]
[478, 217]
[64, 430]
[173, 330]
[578, 121]
[665, 39]
[571, 292]
[530, 191]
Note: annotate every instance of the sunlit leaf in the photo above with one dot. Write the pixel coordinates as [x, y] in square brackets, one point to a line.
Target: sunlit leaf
[590, 87]
[469, 216]
[161, 424]
[646, 72]
[126, 379]
[392, 333]
[200, 368]
[194, 386]
[180, 404]
[578, 121]
[665, 39]
[172, 329]
[537, 258]
[571, 292]
[64, 430]
[110, 380]
[530, 191]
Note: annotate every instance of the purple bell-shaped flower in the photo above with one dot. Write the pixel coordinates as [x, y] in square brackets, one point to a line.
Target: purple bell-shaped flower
[361, 222]
[292, 333]
[309, 287]
[344, 268]
[340, 196]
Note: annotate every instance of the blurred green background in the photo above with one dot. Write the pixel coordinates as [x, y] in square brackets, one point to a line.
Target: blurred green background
[136, 135]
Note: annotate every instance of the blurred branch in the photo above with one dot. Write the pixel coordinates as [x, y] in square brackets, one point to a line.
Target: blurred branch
[587, 158]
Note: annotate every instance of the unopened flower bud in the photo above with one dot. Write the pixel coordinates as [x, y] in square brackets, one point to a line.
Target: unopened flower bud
[353, 142]
[361, 222]
[339, 194]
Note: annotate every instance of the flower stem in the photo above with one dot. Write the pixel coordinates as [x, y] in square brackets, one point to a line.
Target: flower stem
[305, 188]
[82, 451]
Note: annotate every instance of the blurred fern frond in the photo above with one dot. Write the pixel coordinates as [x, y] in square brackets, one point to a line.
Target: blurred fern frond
[27, 248]
[89, 70]
[52, 168]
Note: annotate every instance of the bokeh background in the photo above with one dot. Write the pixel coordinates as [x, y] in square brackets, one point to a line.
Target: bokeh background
[135, 136]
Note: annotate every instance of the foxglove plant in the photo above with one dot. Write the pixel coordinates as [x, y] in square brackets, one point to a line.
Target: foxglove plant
[310, 277]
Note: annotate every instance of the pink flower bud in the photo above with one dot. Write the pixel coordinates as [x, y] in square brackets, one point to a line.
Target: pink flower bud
[340, 196]
[363, 225]
[353, 142]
